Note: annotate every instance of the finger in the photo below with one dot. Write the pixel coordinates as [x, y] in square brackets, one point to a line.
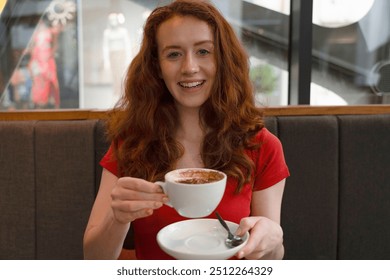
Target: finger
[245, 225]
[128, 194]
[249, 247]
[139, 185]
[134, 206]
[125, 217]
[252, 249]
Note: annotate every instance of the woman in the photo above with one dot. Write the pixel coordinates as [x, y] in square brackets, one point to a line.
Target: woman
[188, 102]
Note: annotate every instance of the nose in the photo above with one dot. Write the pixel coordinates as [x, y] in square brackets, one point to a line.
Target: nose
[190, 65]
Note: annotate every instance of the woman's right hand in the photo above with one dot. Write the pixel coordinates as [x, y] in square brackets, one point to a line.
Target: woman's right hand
[134, 198]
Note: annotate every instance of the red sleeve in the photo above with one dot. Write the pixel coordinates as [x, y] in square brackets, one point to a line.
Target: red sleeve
[109, 162]
[271, 166]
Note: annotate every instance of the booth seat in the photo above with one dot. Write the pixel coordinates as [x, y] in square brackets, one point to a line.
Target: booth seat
[336, 203]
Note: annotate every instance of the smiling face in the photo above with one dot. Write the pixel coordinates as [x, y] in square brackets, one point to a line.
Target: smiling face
[187, 61]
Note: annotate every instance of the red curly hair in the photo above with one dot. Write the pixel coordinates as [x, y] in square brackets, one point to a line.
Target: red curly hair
[143, 124]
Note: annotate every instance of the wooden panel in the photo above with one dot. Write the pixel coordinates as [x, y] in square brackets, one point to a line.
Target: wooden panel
[269, 111]
[53, 115]
[327, 110]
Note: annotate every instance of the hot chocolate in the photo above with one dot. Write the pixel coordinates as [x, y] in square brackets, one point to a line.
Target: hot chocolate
[193, 176]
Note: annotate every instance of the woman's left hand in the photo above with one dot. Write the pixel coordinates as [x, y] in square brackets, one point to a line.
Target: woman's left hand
[265, 240]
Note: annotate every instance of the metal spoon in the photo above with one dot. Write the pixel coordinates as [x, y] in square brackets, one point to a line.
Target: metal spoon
[232, 240]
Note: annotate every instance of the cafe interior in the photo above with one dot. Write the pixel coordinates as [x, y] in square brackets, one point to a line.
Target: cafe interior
[320, 70]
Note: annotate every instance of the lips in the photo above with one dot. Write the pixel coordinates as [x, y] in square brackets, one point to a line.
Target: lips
[191, 84]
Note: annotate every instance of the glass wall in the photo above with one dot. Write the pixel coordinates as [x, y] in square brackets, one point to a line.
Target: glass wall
[108, 43]
[39, 67]
[72, 54]
[351, 52]
[111, 35]
[105, 36]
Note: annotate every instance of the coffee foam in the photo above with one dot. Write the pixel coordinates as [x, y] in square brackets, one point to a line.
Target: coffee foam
[198, 176]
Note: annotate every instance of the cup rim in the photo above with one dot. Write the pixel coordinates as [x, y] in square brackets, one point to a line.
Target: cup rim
[169, 178]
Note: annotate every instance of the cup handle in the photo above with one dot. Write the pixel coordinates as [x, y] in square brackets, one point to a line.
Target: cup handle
[162, 185]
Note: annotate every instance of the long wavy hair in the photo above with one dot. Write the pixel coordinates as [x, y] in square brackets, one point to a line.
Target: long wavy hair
[143, 124]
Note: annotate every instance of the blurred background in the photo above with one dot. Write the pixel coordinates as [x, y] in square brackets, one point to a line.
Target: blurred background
[73, 53]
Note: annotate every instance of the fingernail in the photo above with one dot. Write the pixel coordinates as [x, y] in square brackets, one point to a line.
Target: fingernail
[158, 204]
[240, 255]
[165, 199]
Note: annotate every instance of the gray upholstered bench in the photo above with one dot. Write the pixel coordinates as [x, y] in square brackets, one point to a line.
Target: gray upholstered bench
[336, 203]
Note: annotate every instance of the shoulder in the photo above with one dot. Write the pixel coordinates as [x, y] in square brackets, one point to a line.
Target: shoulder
[267, 146]
[109, 161]
[269, 160]
[267, 139]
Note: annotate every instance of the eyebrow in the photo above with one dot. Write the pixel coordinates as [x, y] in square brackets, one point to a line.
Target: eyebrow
[196, 44]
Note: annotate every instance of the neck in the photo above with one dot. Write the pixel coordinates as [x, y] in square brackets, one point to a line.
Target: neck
[190, 135]
[189, 127]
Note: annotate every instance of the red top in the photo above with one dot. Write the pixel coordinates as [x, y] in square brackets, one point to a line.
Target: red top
[270, 169]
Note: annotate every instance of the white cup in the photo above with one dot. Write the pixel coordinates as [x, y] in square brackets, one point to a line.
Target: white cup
[194, 192]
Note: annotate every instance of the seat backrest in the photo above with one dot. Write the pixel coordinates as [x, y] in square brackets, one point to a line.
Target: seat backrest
[47, 180]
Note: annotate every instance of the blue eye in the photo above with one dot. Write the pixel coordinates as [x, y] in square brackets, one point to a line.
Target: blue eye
[203, 52]
[173, 55]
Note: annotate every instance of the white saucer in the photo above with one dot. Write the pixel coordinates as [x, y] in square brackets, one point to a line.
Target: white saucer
[197, 239]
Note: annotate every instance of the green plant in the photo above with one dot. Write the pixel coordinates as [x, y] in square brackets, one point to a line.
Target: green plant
[263, 78]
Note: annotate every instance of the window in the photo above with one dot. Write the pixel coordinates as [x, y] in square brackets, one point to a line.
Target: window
[351, 52]
[89, 43]
[263, 32]
[39, 55]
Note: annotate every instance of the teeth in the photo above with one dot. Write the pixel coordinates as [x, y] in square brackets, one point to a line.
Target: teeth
[190, 85]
